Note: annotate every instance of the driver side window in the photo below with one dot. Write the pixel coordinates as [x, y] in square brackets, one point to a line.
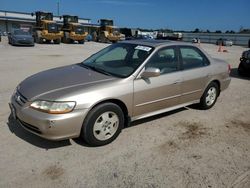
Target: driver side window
[165, 59]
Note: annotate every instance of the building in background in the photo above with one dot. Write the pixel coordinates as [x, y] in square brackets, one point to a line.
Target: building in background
[11, 20]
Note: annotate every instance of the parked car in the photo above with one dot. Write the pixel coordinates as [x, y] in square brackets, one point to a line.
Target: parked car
[124, 82]
[244, 66]
[140, 37]
[196, 40]
[224, 42]
[21, 38]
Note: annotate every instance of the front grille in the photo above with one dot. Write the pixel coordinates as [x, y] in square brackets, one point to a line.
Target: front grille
[30, 127]
[20, 99]
[24, 41]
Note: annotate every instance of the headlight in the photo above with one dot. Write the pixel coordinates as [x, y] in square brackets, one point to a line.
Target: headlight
[53, 107]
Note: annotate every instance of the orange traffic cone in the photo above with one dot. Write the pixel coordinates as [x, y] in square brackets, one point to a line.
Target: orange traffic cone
[220, 48]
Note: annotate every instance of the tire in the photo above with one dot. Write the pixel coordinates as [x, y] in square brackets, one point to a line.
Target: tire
[103, 39]
[209, 96]
[107, 120]
[57, 41]
[81, 41]
[66, 38]
[241, 70]
[38, 38]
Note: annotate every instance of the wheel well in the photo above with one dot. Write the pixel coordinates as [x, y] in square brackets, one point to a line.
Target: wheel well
[218, 84]
[121, 105]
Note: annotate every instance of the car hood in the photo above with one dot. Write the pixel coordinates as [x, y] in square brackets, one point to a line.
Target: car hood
[58, 79]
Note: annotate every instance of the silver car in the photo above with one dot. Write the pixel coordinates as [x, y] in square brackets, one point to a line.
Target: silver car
[124, 82]
[20, 38]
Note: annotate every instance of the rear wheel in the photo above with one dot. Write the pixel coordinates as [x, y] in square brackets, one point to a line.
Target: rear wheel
[209, 96]
[57, 41]
[81, 41]
[103, 124]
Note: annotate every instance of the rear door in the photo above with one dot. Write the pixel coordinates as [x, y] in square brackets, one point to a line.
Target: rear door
[195, 73]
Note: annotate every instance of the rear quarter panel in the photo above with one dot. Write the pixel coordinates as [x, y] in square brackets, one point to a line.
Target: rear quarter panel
[219, 71]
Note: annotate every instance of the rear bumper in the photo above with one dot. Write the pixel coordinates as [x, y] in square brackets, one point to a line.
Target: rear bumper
[49, 126]
[245, 65]
[225, 83]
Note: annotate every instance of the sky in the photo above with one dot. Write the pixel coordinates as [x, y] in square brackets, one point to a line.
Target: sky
[149, 14]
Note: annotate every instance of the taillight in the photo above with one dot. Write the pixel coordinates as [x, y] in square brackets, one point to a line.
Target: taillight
[229, 68]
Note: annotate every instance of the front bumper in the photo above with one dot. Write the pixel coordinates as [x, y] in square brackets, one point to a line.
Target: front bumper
[23, 43]
[77, 37]
[48, 126]
[51, 36]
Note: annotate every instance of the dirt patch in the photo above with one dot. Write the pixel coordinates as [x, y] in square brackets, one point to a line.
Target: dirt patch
[53, 172]
[194, 130]
[242, 124]
[197, 157]
[169, 146]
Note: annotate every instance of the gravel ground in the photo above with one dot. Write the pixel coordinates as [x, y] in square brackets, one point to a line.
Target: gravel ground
[183, 148]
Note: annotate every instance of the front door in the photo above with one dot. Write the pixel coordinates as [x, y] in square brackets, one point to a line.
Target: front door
[158, 93]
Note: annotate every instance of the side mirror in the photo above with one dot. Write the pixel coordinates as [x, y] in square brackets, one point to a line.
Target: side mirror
[151, 72]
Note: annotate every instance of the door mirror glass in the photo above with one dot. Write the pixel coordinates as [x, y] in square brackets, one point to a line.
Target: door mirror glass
[151, 72]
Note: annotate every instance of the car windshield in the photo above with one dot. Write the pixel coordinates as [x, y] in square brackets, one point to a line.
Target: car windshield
[20, 32]
[52, 27]
[79, 30]
[119, 60]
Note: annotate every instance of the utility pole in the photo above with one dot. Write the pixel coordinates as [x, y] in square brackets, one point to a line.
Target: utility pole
[58, 8]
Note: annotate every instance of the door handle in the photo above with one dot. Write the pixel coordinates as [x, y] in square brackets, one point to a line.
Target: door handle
[177, 82]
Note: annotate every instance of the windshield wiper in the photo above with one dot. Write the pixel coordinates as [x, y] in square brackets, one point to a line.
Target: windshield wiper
[85, 66]
[100, 70]
[96, 69]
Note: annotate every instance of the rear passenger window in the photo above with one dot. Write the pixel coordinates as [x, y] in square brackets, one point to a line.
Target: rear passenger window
[192, 58]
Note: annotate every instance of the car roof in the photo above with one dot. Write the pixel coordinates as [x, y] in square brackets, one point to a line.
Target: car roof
[156, 43]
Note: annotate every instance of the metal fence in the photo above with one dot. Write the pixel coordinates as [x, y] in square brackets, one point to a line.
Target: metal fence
[238, 39]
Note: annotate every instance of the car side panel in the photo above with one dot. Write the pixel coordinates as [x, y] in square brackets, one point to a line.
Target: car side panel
[156, 93]
[193, 84]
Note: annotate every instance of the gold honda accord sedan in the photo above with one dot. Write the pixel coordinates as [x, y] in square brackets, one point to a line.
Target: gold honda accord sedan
[124, 82]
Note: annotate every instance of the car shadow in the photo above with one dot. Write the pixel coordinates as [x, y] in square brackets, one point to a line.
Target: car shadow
[155, 117]
[234, 74]
[20, 132]
[35, 140]
[20, 46]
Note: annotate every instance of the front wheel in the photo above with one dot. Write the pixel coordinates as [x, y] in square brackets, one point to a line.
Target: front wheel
[209, 96]
[103, 124]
